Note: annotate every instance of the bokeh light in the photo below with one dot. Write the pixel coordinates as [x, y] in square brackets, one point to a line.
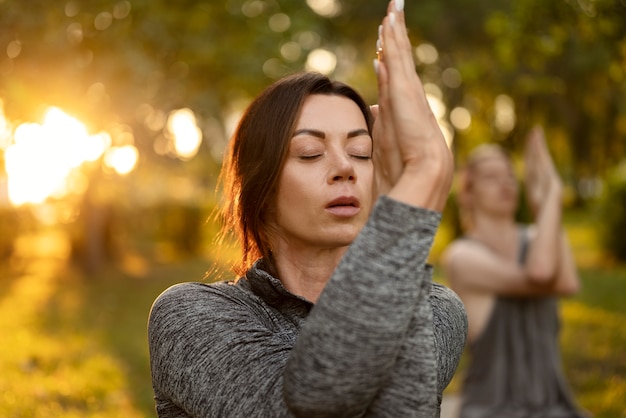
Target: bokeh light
[183, 129]
[505, 118]
[326, 8]
[5, 128]
[279, 22]
[122, 159]
[460, 118]
[426, 53]
[321, 60]
[42, 158]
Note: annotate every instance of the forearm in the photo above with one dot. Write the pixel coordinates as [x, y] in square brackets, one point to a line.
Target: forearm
[544, 253]
[411, 389]
[349, 345]
[567, 281]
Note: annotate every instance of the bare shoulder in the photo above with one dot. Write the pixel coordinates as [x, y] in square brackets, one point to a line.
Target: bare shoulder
[459, 251]
[457, 255]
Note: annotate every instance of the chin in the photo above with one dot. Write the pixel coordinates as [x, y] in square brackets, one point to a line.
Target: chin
[343, 240]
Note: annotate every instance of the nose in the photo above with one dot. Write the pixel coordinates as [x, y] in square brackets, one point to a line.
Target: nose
[341, 168]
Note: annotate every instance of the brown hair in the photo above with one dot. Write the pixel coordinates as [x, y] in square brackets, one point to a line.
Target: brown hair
[466, 177]
[256, 155]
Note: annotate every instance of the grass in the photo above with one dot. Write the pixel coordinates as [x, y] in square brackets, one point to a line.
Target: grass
[75, 346]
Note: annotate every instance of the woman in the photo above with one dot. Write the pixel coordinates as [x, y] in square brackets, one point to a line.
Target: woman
[333, 314]
[509, 276]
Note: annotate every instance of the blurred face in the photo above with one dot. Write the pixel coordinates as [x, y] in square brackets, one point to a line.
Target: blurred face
[494, 186]
[325, 190]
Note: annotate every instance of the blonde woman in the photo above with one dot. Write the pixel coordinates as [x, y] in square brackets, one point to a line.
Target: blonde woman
[509, 277]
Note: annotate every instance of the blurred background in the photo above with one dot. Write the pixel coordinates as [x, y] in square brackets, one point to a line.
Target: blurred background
[113, 120]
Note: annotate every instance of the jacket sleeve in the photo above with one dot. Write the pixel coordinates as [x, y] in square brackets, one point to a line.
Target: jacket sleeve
[348, 353]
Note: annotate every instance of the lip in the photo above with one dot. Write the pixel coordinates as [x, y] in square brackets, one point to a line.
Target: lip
[344, 206]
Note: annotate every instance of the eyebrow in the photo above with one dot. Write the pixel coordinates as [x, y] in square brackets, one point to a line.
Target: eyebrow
[322, 135]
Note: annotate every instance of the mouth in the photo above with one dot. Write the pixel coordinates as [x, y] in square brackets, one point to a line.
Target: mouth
[344, 201]
[344, 206]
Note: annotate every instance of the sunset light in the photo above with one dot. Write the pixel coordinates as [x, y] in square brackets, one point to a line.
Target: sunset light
[43, 158]
[182, 127]
[122, 159]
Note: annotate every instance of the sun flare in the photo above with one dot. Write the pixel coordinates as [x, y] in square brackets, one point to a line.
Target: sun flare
[42, 158]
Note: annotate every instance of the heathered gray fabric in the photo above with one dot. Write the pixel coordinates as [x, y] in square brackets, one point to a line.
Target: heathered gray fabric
[381, 341]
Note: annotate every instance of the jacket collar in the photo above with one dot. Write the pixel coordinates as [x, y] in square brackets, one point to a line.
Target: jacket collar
[272, 291]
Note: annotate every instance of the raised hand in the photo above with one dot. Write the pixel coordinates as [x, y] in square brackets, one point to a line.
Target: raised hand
[540, 175]
[412, 159]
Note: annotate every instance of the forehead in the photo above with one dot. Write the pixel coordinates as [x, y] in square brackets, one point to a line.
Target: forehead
[493, 163]
[322, 111]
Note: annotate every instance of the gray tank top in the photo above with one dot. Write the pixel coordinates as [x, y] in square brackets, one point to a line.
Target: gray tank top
[515, 365]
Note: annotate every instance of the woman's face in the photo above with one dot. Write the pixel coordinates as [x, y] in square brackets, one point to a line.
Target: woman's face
[325, 190]
[494, 186]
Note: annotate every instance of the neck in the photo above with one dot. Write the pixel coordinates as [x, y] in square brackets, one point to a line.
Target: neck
[305, 273]
[492, 228]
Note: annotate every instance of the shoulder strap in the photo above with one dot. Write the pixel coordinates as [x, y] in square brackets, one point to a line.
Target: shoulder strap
[523, 244]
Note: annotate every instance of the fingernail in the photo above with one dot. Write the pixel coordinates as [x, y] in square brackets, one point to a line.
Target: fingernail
[399, 5]
[392, 19]
[380, 31]
[376, 65]
[379, 45]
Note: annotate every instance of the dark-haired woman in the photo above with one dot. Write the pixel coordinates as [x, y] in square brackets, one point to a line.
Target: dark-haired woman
[334, 313]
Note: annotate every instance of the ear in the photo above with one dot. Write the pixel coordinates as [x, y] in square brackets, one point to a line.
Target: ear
[464, 199]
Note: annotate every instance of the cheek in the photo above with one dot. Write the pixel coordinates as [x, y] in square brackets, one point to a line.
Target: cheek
[368, 184]
[293, 187]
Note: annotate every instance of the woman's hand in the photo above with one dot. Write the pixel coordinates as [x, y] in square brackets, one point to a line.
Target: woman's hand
[540, 176]
[413, 162]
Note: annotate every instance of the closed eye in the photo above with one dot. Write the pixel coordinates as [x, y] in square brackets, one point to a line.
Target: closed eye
[309, 157]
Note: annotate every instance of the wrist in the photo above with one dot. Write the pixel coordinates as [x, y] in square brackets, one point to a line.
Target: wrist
[425, 185]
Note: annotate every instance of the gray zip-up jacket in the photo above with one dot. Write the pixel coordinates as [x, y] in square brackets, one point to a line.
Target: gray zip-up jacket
[381, 341]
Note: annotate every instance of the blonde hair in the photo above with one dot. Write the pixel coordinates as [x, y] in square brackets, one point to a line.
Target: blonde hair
[465, 180]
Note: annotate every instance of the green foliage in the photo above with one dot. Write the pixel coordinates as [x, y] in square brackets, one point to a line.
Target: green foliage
[562, 63]
[592, 331]
[613, 214]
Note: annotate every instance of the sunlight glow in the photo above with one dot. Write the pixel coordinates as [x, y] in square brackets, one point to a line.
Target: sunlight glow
[426, 53]
[279, 22]
[121, 9]
[326, 8]
[505, 113]
[14, 49]
[187, 136]
[321, 60]
[5, 128]
[451, 77]
[122, 159]
[253, 8]
[461, 118]
[43, 157]
[291, 51]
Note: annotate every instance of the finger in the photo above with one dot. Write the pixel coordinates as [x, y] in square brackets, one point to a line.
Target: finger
[386, 149]
[375, 109]
[394, 29]
[396, 44]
